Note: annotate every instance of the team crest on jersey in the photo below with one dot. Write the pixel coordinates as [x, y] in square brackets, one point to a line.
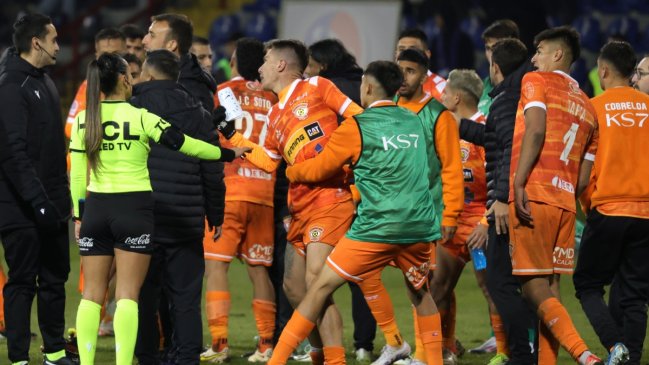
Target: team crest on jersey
[574, 88]
[464, 152]
[254, 86]
[301, 111]
[315, 234]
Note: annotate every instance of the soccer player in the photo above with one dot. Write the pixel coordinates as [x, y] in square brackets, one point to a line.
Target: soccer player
[640, 80]
[461, 95]
[417, 39]
[108, 40]
[247, 230]
[299, 127]
[112, 139]
[203, 52]
[552, 153]
[134, 36]
[394, 215]
[615, 242]
[500, 29]
[445, 177]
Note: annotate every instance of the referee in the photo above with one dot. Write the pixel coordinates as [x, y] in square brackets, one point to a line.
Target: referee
[34, 194]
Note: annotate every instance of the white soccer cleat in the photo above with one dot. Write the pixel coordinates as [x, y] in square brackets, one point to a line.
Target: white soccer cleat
[363, 355]
[216, 357]
[259, 356]
[487, 347]
[391, 354]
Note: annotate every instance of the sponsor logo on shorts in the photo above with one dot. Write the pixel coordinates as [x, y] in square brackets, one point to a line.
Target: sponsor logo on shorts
[315, 234]
[86, 243]
[138, 241]
[417, 274]
[301, 111]
[563, 256]
[468, 175]
[259, 252]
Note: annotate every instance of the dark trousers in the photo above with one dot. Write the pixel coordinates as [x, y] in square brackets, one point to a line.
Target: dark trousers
[615, 247]
[505, 290]
[276, 272]
[39, 264]
[177, 270]
[364, 322]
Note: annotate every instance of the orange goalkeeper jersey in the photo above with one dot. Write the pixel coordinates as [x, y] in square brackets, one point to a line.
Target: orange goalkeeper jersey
[570, 136]
[434, 85]
[243, 180]
[299, 126]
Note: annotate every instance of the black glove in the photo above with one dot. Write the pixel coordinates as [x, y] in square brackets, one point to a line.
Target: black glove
[225, 127]
[46, 215]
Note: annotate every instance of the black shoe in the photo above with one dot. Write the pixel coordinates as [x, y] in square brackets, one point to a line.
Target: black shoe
[62, 361]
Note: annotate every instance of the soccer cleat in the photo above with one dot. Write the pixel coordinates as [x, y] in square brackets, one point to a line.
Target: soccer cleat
[259, 356]
[71, 348]
[216, 357]
[363, 355]
[449, 357]
[486, 347]
[499, 359]
[619, 355]
[62, 361]
[391, 354]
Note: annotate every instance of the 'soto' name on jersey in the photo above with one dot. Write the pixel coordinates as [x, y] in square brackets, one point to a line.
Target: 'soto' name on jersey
[257, 102]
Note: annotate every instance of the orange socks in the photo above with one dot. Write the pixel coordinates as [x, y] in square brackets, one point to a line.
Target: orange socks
[334, 355]
[555, 317]
[378, 300]
[431, 337]
[296, 330]
[218, 309]
[420, 352]
[264, 312]
[499, 333]
[548, 346]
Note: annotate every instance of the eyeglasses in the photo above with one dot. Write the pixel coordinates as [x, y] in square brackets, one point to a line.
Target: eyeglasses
[640, 74]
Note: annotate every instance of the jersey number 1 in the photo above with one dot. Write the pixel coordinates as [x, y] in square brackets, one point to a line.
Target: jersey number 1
[569, 141]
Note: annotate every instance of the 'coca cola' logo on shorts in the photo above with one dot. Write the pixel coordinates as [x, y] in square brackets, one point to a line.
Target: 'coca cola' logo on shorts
[139, 241]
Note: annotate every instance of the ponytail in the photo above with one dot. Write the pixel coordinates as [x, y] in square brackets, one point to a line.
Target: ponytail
[102, 77]
[94, 129]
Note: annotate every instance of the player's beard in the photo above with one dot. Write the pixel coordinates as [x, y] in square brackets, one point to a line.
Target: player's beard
[406, 91]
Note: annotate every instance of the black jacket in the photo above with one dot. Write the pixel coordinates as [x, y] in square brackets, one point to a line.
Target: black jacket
[33, 166]
[497, 133]
[348, 81]
[197, 81]
[185, 189]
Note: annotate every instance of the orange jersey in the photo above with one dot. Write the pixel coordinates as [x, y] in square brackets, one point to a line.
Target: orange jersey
[570, 136]
[299, 126]
[475, 176]
[621, 186]
[77, 106]
[243, 180]
[434, 85]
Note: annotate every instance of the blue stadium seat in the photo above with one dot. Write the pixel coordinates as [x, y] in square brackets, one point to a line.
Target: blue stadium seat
[261, 26]
[473, 28]
[222, 28]
[262, 6]
[588, 28]
[408, 21]
[611, 6]
[643, 42]
[626, 27]
[431, 29]
[579, 72]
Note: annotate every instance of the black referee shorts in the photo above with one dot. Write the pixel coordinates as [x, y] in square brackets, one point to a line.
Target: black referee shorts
[117, 221]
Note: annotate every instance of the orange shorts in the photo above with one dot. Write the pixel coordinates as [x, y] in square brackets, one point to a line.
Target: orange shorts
[457, 246]
[248, 232]
[545, 248]
[357, 260]
[326, 224]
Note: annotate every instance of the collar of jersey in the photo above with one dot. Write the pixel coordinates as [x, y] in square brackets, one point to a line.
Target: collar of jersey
[380, 103]
[475, 116]
[566, 75]
[286, 93]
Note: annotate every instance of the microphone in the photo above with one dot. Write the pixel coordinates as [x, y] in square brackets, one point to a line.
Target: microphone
[47, 53]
